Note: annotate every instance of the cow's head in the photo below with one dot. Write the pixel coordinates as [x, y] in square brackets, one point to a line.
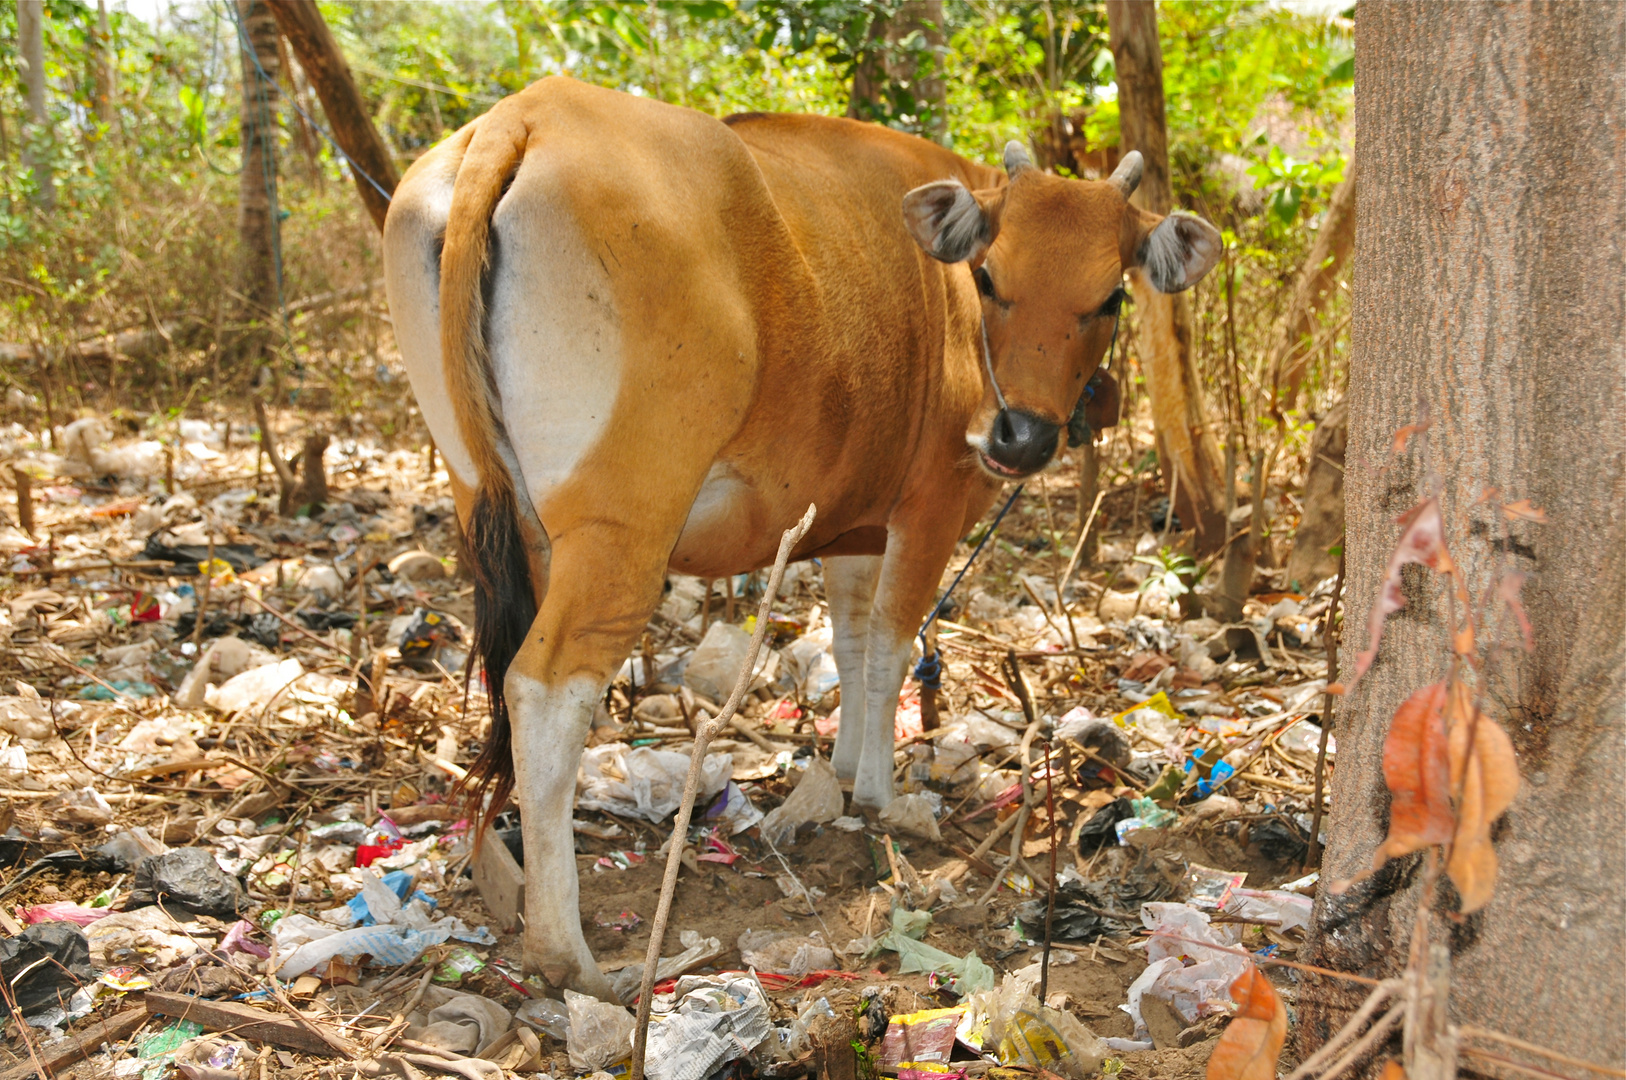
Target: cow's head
[1048, 256]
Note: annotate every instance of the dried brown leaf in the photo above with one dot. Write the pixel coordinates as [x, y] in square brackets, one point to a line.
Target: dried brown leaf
[1253, 1040]
[1417, 770]
[1487, 779]
[1393, 1070]
[1422, 540]
[1507, 591]
[1523, 511]
[1404, 435]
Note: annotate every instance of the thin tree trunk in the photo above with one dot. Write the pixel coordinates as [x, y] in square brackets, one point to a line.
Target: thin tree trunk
[105, 70]
[1312, 290]
[309, 149]
[346, 113]
[1488, 275]
[31, 29]
[1185, 442]
[883, 64]
[257, 184]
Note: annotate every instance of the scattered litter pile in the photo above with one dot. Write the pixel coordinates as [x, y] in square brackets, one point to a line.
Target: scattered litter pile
[229, 737]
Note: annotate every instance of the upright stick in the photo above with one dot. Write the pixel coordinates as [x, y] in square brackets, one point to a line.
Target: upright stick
[1329, 638]
[1050, 895]
[704, 733]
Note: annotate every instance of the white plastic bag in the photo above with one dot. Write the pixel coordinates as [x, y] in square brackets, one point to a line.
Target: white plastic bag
[817, 798]
[600, 1033]
[645, 782]
[255, 688]
[785, 954]
[911, 814]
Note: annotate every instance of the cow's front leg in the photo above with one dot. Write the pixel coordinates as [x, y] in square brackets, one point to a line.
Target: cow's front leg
[849, 587]
[918, 547]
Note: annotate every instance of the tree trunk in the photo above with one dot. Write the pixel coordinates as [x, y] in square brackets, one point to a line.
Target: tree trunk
[1488, 288]
[353, 129]
[105, 69]
[1321, 526]
[257, 184]
[31, 29]
[1312, 289]
[1185, 441]
[884, 63]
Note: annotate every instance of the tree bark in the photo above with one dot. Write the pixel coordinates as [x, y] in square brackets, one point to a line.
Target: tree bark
[105, 69]
[353, 129]
[1488, 279]
[1312, 289]
[257, 184]
[1322, 523]
[31, 29]
[884, 63]
[1185, 441]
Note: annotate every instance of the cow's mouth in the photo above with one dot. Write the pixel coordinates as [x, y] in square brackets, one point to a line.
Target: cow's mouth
[1004, 472]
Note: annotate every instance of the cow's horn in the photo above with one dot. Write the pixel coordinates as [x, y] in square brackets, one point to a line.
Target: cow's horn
[1016, 158]
[1127, 174]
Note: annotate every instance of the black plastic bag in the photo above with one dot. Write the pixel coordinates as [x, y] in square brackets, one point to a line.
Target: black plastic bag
[188, 878]
[45, 966]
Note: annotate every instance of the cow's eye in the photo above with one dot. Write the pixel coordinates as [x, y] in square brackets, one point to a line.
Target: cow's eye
[985, 283]
[1114, 303]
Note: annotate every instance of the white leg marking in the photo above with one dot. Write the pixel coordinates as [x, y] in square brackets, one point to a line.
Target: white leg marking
[554, 334]
[549, 727]
[412, 283]
[884, 667]
[849, 586]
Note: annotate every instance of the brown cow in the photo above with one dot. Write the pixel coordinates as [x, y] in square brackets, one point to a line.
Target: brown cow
[645, 339]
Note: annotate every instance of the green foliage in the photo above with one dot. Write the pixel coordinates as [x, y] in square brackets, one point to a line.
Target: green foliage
[1171, 569]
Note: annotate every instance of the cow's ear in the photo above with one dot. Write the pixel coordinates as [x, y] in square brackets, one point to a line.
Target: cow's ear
[1176, 251]
[950, 223]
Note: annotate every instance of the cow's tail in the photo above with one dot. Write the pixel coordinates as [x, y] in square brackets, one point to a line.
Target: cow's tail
[496, 536]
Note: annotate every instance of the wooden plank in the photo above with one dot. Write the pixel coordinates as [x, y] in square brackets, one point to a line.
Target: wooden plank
[81, 1046]
[247, 1022]
[501, 883]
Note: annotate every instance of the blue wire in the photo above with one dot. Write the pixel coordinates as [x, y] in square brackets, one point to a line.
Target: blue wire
[929, 669]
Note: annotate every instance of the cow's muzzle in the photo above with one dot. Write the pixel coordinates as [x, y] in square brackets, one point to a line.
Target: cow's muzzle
[1019, 443]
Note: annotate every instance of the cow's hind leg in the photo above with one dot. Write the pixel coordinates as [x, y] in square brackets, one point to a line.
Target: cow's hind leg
[604, 579]
[849, 586]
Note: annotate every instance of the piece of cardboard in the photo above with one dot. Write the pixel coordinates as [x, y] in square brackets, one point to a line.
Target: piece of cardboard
[501, 883]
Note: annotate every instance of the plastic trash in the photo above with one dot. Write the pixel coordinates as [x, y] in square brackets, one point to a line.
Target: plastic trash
[715, 1020]
[810, 664]
[222, 660]
[1019, 1031]
[966, 974]
[149, 935]
[129, 846]
[255, 688]
[546, 1015]
[923, 1038]
[817, 798]
[733, 811]
[45, 967]
[426, 633]
[1286, 908]
[913, 814]
[1305, 738]
[1209, 889]
[600, 1033]
[643, 782]
[785, 953]
[1179, 934]
[461, 1023]
[61, 911]
[697, 951]
[715, 664]
[189, 878]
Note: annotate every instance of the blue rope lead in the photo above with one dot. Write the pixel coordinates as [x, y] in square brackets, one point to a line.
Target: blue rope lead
[929, 668]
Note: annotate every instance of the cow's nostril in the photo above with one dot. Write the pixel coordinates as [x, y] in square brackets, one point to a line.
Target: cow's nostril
[1021, 442]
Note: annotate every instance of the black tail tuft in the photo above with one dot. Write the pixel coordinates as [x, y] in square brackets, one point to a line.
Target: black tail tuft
[504, 608]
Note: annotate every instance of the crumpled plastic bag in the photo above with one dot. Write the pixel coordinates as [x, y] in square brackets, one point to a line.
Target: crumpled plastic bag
[255, 688]
[715, 664]
[45, 967]
[644, 782]
[784, 953]
[222, 661]
[189, 877]
[28, 716]
[389, 946]
[1195, 990]
[716, 1019]
[697, 951]
[969, 974]
[912, 814]
[162, 939]
[817, 798]
[462, 1023]
[600, 1033]
[1012, 1024]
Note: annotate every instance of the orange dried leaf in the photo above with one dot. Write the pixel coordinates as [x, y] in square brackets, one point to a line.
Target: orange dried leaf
[1417, 770]
[1393, 1070]
[1422, 540]
[1507, 591]
[1404, 435]
[1253, 1040]
[1523, 511]
[1336, 689]
[1488, 779]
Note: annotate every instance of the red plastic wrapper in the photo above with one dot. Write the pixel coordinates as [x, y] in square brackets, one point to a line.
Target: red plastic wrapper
[144, 608]
[62, 911]
[367, 854]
